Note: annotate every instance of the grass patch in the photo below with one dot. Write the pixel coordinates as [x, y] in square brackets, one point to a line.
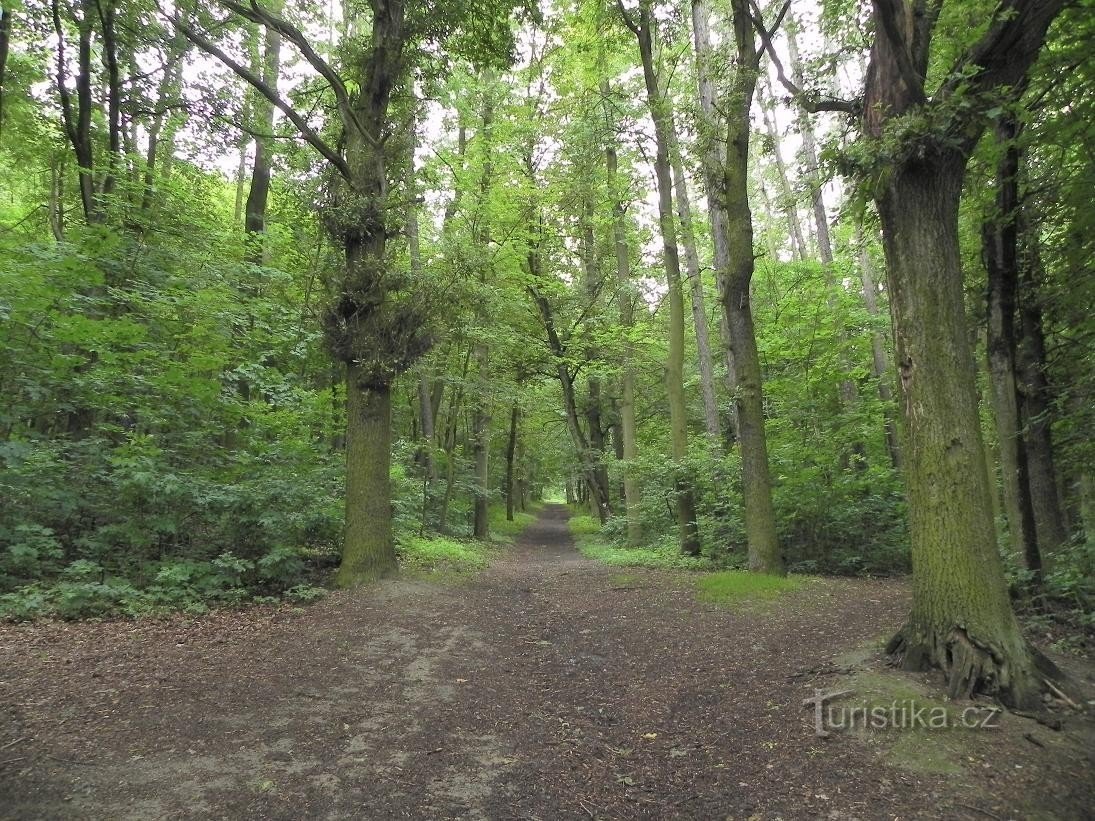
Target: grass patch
[504, 531]
[583, 526]
[442, 553]
[733, 586]
[663, 556]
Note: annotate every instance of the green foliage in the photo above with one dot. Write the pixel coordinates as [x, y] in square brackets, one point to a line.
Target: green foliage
[440, 553]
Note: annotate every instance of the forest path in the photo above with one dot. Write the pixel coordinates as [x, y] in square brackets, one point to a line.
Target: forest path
[548, 687]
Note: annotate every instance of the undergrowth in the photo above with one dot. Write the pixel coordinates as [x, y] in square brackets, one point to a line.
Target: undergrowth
[443, 553]
[664, 554]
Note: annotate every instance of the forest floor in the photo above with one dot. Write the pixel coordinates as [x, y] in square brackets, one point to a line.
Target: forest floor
[546, 687]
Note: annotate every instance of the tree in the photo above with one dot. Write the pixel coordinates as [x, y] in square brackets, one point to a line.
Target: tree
[726, 169]
[373, 326]
[643, 29]
[961, 620]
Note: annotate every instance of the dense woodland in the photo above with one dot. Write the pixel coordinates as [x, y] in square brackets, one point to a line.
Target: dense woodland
[287, 287]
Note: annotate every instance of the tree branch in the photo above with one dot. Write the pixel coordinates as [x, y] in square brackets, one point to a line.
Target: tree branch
[306, 131]
[257, 14]
[628, 21]
[811, 104]
[1008, 49]
[886, 13]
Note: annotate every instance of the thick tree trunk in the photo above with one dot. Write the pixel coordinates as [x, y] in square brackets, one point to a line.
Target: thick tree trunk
[961, 621]
[687, 526]
[369, 550]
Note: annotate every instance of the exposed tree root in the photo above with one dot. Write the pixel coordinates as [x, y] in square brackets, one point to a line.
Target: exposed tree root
[974, 667]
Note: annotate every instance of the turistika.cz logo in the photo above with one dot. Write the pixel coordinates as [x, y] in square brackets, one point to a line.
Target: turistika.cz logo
[900, 714]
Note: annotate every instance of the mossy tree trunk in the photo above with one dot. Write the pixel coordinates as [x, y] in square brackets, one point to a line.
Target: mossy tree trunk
[733, 192]
[369, 551]
[961, 621]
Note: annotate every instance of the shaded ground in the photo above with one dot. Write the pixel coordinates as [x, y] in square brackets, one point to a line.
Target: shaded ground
[548, 687]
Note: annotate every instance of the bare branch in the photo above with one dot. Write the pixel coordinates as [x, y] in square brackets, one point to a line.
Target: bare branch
[306, 131]
[811, 104]
[257, 14]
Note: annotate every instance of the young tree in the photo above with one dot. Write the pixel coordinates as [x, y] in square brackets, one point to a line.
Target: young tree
[373, 327]
[642, 26]
[724, 125]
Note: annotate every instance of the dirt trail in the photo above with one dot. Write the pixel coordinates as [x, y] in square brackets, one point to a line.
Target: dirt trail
[548, 687]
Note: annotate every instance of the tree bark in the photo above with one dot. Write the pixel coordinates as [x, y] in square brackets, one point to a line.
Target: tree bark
[961, 619]
[369, 550]
[511, 450]
[263, 122]
[713, 155]
[5, 42]
[733, 194]
[787, 195]
[809, 155]
[695, 284]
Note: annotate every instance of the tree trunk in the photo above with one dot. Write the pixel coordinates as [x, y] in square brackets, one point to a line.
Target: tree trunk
[733, 191]
[961, 620]
[481, 444]
[880, 365]
[687, 526]
[1000, 250]
[1049, 520]
[626, 407]
[511, 449]
[695, 283]
[788, 202]
[809, 155]
[263, 121]
[591, 282]
[369, 551]
[5, 41]
[713, 153]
